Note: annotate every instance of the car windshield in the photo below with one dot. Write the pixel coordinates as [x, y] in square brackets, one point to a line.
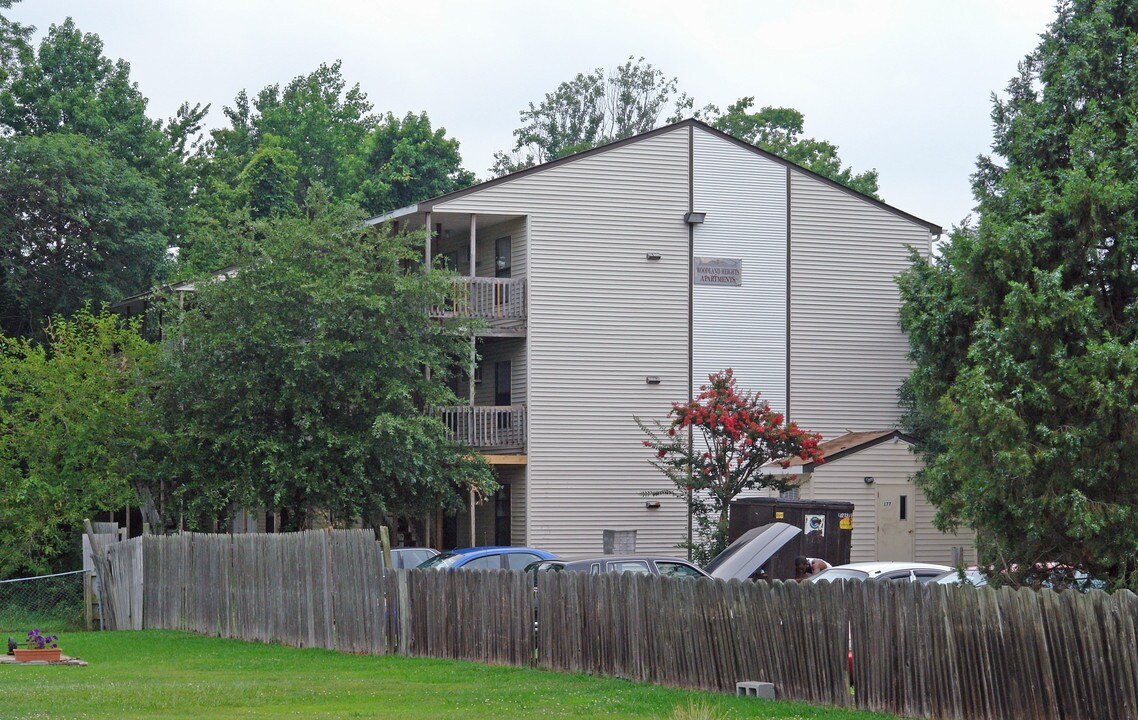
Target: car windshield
[953, 577]
[446, 560]
[677, 569]
[839, 574]
[410, 557]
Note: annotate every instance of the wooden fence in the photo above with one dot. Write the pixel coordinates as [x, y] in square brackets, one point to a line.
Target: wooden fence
[923, 651]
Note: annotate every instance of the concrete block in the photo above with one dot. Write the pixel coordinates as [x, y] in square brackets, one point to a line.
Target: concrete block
[756, 689]
[619, 542]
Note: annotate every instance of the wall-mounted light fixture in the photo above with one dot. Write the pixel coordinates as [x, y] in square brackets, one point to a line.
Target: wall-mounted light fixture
[868, 479]
[694, 218]
[652, 504]
[652, 380]
[653, 256]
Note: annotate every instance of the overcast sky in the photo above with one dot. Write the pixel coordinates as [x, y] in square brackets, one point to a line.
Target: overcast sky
[902, 86]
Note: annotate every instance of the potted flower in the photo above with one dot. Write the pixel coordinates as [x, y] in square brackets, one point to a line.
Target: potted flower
[38, 647]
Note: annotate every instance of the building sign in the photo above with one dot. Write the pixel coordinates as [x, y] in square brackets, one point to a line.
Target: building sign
[724, 272]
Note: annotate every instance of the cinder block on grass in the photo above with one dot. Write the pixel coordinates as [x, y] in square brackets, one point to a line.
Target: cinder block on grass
[755, 689]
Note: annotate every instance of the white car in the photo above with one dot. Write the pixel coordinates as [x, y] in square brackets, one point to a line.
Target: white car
[910, 571]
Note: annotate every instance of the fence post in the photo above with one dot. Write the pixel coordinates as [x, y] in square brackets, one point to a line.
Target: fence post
[385, 545]
[403, 612]
[88, 601]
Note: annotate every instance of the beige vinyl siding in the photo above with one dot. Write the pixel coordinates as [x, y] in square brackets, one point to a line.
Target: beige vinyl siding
[488, 231]
[516, 476]
[742, 328]
[494, 350]
[934, 546]
[889, 462]
[842, 481]
[847, 354]
[514, 229]
[601, 319]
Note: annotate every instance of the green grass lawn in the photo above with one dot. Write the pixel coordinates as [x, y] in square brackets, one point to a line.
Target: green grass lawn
[160, 674]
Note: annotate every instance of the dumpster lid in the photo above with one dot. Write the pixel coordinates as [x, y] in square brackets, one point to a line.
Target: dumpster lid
[753, 548]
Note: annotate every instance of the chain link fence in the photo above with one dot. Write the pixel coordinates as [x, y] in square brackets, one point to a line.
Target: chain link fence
[53, 603]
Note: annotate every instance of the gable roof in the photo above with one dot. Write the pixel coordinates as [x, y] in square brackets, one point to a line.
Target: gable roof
[840, 447]
[428, 205]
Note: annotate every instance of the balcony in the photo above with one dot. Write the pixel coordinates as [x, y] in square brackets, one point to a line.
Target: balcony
[498, 428]
[501, 302]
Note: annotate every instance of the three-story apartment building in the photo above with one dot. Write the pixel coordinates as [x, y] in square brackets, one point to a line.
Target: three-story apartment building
[612, 282]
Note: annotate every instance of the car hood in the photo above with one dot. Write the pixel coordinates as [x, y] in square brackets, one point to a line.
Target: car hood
[753, 548]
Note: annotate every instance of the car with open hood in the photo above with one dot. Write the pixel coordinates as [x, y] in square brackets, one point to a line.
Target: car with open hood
[746, 557]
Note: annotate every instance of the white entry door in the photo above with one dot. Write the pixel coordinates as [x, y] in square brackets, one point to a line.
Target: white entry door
[895, 522]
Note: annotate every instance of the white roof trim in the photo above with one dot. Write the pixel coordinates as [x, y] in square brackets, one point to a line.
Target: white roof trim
[393, 215]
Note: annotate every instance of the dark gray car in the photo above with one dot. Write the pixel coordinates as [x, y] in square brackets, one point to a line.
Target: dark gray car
[663, 565]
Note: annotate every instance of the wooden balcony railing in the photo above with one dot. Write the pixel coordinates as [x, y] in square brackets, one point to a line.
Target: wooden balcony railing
[486, 427]
[485, 298]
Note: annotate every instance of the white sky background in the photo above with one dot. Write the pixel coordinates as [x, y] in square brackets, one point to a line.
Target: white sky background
[902, 86]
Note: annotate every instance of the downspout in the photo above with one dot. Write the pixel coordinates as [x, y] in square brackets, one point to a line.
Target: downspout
[691, 324]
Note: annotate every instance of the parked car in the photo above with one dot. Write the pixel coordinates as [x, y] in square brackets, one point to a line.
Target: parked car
[1043, 575]
[488, 558]
[642, 564]
[409, 557]
[971, 576]
[746, 557]
[903, 571]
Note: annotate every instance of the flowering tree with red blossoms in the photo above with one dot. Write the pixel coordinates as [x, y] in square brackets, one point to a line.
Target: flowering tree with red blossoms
[715, 446]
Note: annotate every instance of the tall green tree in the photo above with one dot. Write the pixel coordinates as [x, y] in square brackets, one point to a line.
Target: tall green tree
[591, 109]
[1024, 331]
[316, 117]
[299, 383]
[99, 189]
[404, 161]
[600, 107]
[13, 42]
[320, 119]
[70, 87]
[268, 183]
[77, 225]
[313, 131]
[77, 432]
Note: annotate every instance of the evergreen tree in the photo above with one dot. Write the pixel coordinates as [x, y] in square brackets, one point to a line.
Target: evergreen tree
[1024, 332]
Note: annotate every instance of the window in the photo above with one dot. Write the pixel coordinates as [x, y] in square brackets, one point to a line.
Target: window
[899, 576]
[486, 562]
[677, 569]
[503, 376]
[502, 520]
[503, 257]
[518, 561]
[630, 566]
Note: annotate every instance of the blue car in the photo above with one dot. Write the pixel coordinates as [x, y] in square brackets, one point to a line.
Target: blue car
[488, 558]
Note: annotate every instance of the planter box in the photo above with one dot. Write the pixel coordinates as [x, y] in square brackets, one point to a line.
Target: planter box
[32, 655]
